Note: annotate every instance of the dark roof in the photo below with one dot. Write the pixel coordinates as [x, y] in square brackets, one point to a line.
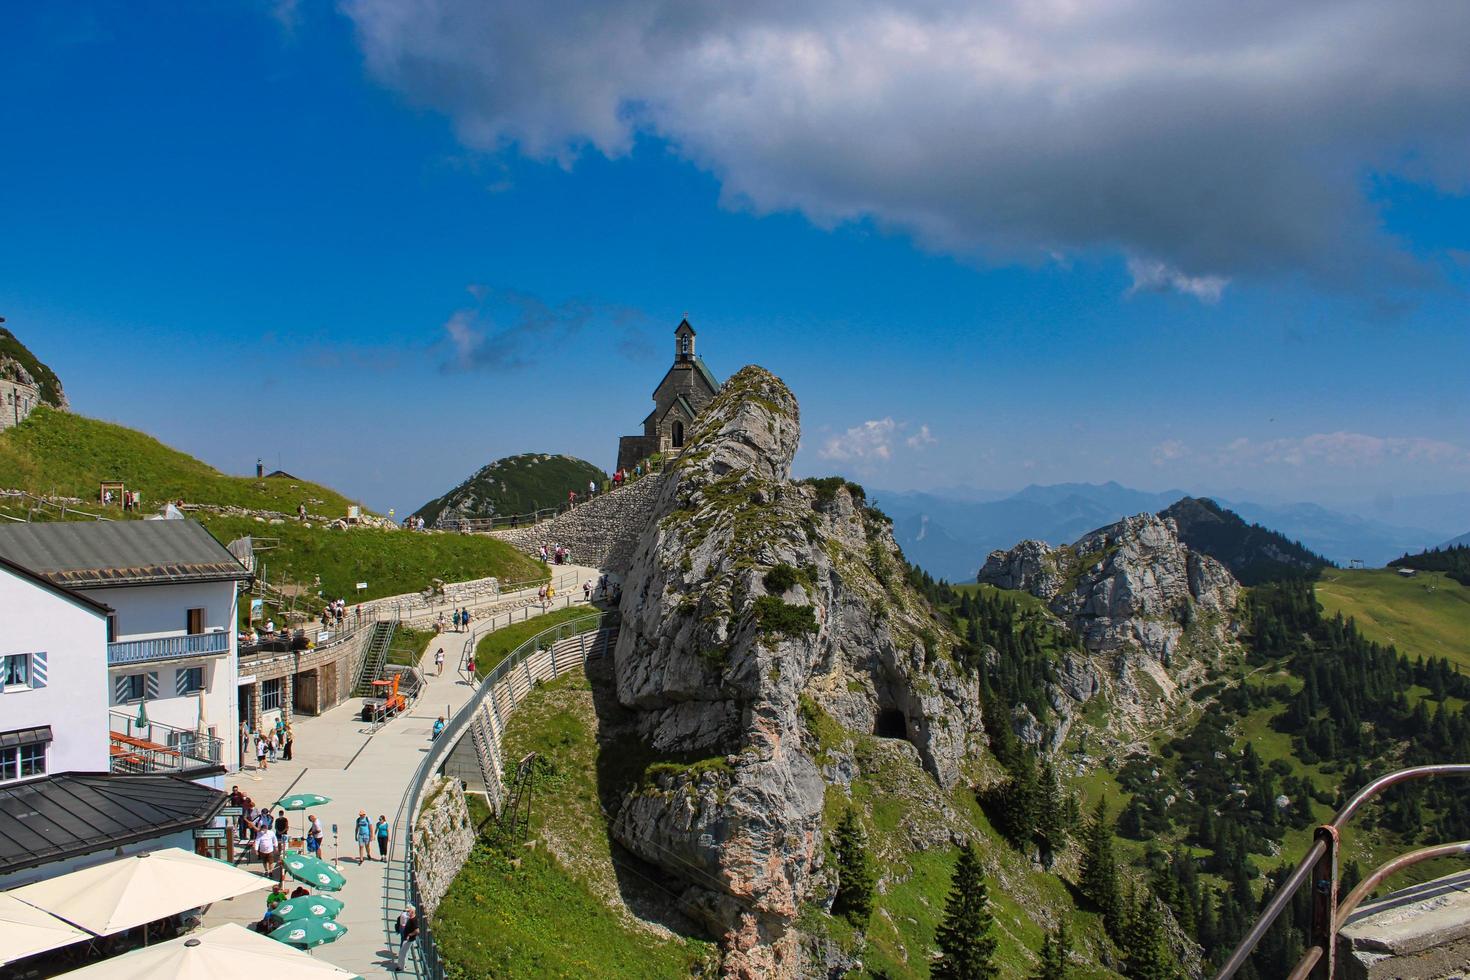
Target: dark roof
[93, 554]
[76, 813]
[51, 586]
[25, 736]
[709, 375]
[684, 326]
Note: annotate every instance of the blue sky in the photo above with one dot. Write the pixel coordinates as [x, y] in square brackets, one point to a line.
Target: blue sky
[379, 244]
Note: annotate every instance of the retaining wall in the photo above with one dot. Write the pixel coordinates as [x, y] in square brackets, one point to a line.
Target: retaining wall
[602, 533]
[443, 837]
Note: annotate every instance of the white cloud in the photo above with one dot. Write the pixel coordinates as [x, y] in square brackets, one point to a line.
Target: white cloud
[921, 439]
[1152, 276]
[1221, 139]
[1169, 451]
[873, 440]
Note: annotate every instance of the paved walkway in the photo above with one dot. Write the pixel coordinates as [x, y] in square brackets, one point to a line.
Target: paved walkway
[337, 756]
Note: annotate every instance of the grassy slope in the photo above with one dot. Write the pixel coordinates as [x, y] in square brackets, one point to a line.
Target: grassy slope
[62, 453]
[520, 485]
[390, 562]
[494, 647]
[1427, 615]
[547, 914]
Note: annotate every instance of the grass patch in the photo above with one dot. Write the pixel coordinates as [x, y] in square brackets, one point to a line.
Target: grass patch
[495, 647]
[390, 562]
[1427, 615]
[55, 452]
[778, 616]
[408, 645]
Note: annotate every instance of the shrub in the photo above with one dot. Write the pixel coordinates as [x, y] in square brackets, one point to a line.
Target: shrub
[776, 616]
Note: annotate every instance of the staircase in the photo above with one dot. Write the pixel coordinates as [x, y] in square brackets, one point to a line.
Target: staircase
[374, 658]
[513, 816]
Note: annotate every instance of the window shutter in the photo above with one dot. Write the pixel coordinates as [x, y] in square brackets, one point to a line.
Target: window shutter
[38, 669]
[150, 685]
[181, 681]
[120, 688]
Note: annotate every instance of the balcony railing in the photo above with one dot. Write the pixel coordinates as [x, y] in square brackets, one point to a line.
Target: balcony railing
[168, 648]
[156, 747]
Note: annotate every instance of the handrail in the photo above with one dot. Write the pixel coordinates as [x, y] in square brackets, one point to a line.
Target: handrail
[1325, 892]
[437, 755]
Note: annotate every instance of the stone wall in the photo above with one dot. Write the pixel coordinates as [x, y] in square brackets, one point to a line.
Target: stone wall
[443, 837]
[1417, 933]
[16, 401]
[336, 664]
[601, 533]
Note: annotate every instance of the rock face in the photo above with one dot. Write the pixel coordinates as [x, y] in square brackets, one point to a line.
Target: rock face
[1132, 584]
[750, 603]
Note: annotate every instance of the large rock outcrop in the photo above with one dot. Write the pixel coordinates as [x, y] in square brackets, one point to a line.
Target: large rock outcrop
[752, 603]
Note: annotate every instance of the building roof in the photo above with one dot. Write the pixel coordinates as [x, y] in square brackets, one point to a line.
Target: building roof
[75, 813]
[50, 586]
[709, 376]
[78, 554]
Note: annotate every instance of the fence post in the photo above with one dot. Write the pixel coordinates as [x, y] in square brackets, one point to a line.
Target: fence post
[1324, 903]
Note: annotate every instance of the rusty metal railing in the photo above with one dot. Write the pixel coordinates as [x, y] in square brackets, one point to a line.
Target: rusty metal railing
[1320, 865]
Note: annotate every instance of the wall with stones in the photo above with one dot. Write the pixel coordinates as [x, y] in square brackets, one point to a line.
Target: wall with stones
[1417, 933]
[16, 402]
[443, 837]
[601, 533]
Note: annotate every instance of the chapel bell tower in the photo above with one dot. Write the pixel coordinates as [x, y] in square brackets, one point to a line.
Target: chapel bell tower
[684, 343]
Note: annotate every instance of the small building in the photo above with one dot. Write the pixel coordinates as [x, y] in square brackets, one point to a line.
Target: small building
[685, 390]
[171, 668]
[53, 678]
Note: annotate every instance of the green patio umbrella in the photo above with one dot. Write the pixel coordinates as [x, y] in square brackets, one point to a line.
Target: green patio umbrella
[308, 907]
[301, 801]
[306, 933]
[314, 872]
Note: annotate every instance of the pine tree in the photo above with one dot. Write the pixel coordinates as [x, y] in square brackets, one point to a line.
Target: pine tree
[1148, 955]
[1056, 949]
[1099, 878]
[854, 900]
[966, 945]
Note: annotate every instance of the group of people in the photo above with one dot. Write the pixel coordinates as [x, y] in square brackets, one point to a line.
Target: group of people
[267, 746]
[130, 499]
[461, 620]
[412, 523]
[364, 831]
[554, 554]
[335, 613]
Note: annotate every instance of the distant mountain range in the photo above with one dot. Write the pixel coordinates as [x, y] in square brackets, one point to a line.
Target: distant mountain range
[951, 537]
[1463, 539]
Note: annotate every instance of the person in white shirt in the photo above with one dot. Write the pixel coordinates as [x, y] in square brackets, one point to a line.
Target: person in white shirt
[265, 846]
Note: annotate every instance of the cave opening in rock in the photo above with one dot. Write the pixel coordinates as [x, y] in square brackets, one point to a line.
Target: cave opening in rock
[891, 723]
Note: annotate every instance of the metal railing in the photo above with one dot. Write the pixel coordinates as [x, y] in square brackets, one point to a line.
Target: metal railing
[156, 747]
[168, 648]
[1320, 866]
[571, 597]
[439, 752]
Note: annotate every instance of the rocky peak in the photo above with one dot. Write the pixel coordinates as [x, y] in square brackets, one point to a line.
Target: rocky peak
[751, 602]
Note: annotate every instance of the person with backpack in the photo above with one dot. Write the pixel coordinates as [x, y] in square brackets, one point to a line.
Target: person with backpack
[362, 832]
[407, 928]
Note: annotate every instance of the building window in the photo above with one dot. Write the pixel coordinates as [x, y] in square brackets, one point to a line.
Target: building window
[190, 680]
[23, 761]
[15, 670]
[270, 694]
[130, 688]
[194, 622]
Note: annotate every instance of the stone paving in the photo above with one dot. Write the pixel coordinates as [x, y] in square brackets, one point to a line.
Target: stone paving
[337, 755]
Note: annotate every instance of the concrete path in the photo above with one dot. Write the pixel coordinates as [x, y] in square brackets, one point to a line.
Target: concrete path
[338, 756]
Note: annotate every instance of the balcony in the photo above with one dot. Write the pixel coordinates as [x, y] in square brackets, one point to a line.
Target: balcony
[167, 648]
[156, 747]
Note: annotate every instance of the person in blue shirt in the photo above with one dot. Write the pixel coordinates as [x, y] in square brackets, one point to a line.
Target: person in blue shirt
[438, 726]
[383, 833]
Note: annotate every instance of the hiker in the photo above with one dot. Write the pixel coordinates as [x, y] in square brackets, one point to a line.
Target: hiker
[438, 726]
[571, 498]
[470, 668]
[587, 590]
[456, 620]
[464, 617]
[314, 835]
[245, 824]
[283, 826]
[439, 662]
[407, 928]
[265, 846]
[382, 831]
[591, 489]
[286, 739]
[363, 834]
[261, 762]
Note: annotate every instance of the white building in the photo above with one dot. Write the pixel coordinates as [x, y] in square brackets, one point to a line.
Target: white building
[53, 678]
[171, 650]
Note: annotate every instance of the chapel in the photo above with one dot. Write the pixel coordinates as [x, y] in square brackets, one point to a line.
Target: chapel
[679, 398]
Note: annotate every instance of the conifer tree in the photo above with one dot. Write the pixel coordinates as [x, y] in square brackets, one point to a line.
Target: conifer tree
[1099, 878]
[966, 945]
[1056, 949]
[854, 900]
[1148, 954]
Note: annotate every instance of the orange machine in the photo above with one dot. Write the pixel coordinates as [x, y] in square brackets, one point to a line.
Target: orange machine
[386, 701]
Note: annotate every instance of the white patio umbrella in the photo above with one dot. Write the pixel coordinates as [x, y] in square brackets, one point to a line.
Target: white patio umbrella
[25, 930]
[227, 952]
[131, 891]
